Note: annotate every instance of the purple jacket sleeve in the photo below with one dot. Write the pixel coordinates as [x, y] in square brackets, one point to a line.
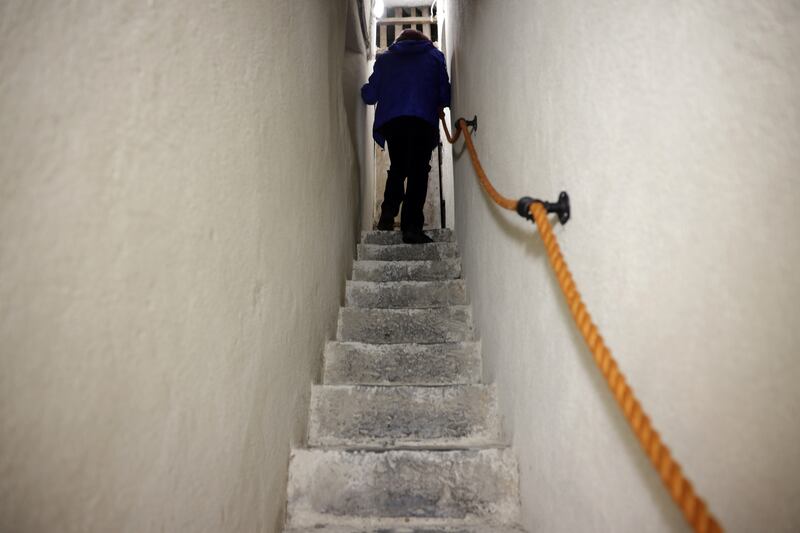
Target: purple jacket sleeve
[370, 92]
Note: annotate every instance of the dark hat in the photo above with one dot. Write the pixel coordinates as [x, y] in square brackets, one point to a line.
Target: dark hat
[412, 35]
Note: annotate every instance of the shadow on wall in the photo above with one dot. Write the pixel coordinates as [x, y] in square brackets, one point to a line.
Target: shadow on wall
[527, 236]
[354, 74]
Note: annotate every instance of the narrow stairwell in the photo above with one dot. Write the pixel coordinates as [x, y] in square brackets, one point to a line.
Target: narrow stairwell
[403, 436]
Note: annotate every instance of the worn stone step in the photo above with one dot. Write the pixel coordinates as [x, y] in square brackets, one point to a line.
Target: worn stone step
[395, 237]
[393, 326]
[406, 270]
[408, 252]
[368, 417]
[419, 489]
[398, 294]
[401, 364]
[401, 526]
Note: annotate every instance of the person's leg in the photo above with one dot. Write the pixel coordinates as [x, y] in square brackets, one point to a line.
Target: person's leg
[413, 217]
[419, 157]
[392, 197]
[393, 194]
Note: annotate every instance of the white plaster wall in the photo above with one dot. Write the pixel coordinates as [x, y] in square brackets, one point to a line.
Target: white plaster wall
[675, 127]
[178, 206]
[356, 72]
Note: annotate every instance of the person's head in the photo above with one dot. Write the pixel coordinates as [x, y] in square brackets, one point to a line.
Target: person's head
[411, 35]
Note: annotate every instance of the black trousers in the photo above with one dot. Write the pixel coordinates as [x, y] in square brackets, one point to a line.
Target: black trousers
[411, 141]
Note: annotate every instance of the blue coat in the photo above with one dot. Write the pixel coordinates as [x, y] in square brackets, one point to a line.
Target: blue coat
[409, 79]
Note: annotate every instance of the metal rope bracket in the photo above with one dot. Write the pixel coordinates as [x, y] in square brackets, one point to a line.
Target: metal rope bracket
[560, 208]
[472, 124]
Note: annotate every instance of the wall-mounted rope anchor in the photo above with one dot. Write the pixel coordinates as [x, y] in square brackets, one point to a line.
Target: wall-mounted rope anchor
[473, 124]
[560, 208]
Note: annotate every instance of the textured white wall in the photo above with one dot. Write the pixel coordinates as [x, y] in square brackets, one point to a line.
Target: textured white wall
[178, 203]
[359, 116]
[675, 127]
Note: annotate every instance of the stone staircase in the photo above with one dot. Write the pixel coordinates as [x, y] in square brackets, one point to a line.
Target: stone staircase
[402, 436]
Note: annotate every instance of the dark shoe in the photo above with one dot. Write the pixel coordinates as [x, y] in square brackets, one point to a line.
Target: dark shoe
[416, 237]
[386, 224]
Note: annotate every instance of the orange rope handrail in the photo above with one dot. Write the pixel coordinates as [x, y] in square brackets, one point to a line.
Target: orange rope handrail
[680, 488]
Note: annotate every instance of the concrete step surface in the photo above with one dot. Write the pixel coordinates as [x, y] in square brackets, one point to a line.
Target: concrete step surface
[427, 490]
[401, 364]
[367, 417]
[401, 526]
[397, 294]
[408, 252]
[395, 237]
[407, 270]
[393, 326]
[402, 437]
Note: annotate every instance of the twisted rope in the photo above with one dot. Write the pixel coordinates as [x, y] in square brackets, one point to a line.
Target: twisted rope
[680, 488]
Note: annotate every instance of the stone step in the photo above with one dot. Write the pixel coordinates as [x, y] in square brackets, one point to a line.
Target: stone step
[422, 490]
[401, 526]
[395, 237]
[402, 364]
[406, 270]
[398, 294]
[367, 417]
[394, 326]
[408, 252]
